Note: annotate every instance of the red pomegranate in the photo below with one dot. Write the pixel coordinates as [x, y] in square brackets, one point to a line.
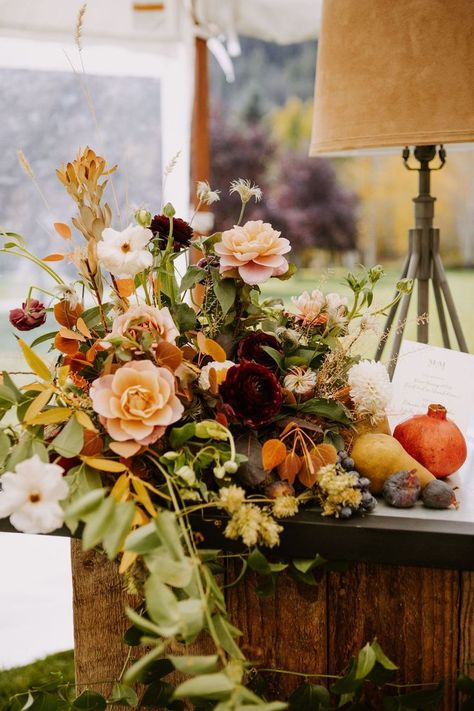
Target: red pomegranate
[434, 441]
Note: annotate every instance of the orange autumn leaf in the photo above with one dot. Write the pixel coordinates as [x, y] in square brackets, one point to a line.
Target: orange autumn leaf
[125, 287]
[211, 348]
[290, 467]
[93, 444]
[67, 333]
[82, 328]
[65, 315]
[56, 257]
[222, 419]
[63, 230]
[213, 381]
[168, 355]
[91, 353]
[325, 454]
[65, 345]
[273, 453]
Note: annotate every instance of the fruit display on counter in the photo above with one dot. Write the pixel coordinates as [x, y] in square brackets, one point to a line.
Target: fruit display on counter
[433, 440]
[379, 456]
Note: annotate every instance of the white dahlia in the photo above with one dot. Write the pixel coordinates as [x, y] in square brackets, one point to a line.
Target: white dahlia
[371, 389]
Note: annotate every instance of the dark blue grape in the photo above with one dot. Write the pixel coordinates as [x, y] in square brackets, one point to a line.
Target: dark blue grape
[346, 512]
[364, 483]
[348, 463]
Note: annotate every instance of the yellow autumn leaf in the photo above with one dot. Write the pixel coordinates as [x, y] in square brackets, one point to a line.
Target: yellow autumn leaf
[35, 387]
[38, 404]
[143, 496]
[211, 348]
[120, 488]
[52, 417]
[84, 420]
[62, 374]
[105, 465]
[37, 365]
[128, 559]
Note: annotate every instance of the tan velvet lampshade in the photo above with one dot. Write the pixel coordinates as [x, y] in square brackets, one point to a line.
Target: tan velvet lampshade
[394, 73]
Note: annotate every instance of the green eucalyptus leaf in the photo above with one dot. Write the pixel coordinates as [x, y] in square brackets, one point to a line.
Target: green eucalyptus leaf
[70, 440]
[11, 387]
[177, 573]
[86, 504]
[98, 523]
[195, 665]
[8, 395]
[135, 672]
[123, 694]
[209, 686]
[162, 605]
[44, 337]
[225, 633]
[309, 696]
[143, 540]
[142, 623]
[331, 409]
[305, 565]
[119, 528]
[382, 658]
[21, 451]
[276, 355]
[191, 614]
[158, 695]
[168, 531]
[4, 447]
[89, 701]
[257, 561]
[366, 660]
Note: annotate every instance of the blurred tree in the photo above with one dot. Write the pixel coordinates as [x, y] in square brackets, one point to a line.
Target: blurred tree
[291, 123]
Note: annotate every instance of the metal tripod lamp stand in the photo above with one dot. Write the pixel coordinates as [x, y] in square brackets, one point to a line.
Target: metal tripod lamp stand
[393, 74]
[423, 265]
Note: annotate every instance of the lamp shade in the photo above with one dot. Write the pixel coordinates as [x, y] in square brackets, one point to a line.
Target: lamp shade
[394, 73]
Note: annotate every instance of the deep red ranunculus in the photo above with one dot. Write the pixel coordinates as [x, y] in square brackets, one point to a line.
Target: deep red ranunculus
[251, 394]
[182, 232]
[250, 349]
[31, 315]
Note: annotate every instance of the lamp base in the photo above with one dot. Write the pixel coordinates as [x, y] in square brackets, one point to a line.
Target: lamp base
[423, 264]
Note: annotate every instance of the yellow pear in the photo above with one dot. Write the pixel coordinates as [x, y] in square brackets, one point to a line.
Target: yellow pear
[377, 456]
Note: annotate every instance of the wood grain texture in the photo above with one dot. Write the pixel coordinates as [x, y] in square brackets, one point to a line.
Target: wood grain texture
[99, 620]
[466, 625]
[286, 631]
[414, 613]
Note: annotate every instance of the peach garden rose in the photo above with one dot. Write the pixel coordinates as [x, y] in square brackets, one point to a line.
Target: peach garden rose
[255, 249]
[158, 322]
[137, 402]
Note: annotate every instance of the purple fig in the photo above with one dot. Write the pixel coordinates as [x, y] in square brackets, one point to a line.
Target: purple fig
[439, 495]
[402, 489]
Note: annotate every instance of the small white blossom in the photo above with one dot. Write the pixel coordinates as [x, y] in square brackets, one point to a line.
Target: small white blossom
[125, 253]
[30, 496]
[187, 474]
[221, 372]
[371, 389]
[300, 381]
[285, 506]
[205, 194]
[369, 322]
[67, 293]
[231, 498]
[246, 190]
[336, 307]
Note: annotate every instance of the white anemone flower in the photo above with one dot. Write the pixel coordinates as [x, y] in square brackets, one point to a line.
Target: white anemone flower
[124, 253]
[246, 190]
[370, 389]
[220, 368]
[30, 496]
[205, 194]
[67, 293]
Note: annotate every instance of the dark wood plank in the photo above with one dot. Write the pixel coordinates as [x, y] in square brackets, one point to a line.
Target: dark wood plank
[414, 612]
[466, 625]
[285, 631]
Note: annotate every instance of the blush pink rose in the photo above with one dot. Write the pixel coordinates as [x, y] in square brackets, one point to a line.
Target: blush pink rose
[137, 402]
[141, 318]
[255, 249]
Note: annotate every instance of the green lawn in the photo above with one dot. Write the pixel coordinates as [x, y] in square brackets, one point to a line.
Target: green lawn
[461, 283]
[57, 667]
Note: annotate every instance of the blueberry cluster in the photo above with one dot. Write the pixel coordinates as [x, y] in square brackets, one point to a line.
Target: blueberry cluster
[368, 502]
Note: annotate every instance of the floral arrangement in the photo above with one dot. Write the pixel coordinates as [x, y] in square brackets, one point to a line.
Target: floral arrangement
[176, 388]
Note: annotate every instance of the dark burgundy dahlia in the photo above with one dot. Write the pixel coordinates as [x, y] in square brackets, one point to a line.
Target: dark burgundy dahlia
[251, 394]
[250, 349]
[31, 315]
[182, 232]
